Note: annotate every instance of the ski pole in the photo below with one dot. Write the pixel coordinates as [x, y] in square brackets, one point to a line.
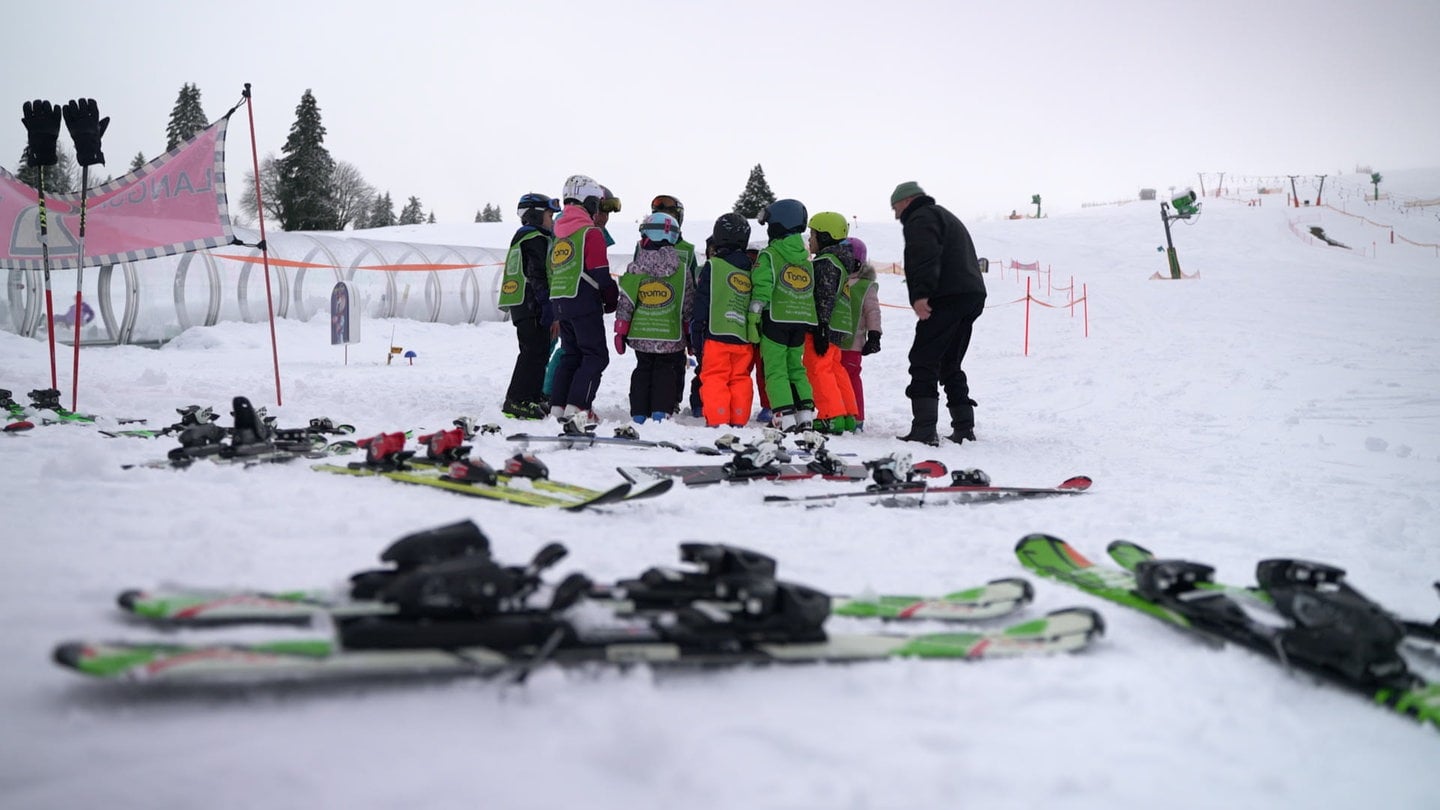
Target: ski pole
[79, 281]
[45, 263]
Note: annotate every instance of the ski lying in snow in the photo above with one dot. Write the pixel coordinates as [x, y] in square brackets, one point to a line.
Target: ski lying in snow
[447, 465]
[202, 607]
[48, 399]
[823, 465]
[1328, 629]
[637, 641]
[919, 493]
[454, 610]
[251, 441]
[572, 440]
[441, 478]
[1129, 555]
[17, 418]
[719, 572]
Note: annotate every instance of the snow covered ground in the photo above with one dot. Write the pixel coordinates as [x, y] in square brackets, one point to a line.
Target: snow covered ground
[1285, 403]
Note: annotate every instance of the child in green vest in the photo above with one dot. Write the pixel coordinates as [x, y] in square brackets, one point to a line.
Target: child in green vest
[656, 297]
[722, 299]
[525, 294]
[782, 313]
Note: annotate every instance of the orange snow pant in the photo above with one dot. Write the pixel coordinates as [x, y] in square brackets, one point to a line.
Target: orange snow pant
[726, 389]
[834, 396]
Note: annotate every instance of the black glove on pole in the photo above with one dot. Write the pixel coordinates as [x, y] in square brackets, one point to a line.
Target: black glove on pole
[42, 126]
[86, 127]
[872, 343]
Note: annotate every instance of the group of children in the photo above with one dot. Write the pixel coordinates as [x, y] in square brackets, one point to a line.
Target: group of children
[799, 316]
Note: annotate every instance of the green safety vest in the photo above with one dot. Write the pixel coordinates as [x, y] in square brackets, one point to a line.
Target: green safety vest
[567, 264]
[512, 283]
[659, 304]
[856, 295]
[792, 299]
[729, 298]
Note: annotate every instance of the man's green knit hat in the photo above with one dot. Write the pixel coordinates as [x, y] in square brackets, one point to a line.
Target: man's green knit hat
[905, 190]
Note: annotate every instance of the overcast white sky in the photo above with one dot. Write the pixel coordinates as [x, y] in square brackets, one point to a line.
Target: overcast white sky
[985, 103]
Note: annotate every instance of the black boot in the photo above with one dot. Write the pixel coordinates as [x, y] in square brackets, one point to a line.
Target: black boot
[925, 413]
[962, 421]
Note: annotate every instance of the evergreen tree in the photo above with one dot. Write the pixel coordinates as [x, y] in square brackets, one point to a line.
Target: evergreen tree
[187, 117]
[491, 213]
[138, 161]
[431, 220]
[412, 213]
[306, 172]
[382, 212]
[756, 196]
[59, 178]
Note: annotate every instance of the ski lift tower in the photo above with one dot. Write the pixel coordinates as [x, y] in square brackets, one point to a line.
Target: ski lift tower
[1185, 206]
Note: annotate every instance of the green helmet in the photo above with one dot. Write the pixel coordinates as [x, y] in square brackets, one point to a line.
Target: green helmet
[830, 224]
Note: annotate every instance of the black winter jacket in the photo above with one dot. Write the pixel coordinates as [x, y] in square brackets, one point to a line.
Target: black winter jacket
[939, 254]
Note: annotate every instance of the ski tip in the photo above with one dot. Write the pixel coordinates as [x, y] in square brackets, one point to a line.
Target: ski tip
[931, 468]
[127, 599]
[69, 654]
[1027, 591]
[1079, 483]
[16, 427]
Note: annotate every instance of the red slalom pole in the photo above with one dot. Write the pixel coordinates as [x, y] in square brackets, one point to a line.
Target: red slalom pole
[1027, 316]
[264, 250]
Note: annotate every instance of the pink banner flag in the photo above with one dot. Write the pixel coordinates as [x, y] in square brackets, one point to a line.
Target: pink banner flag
[173, 204]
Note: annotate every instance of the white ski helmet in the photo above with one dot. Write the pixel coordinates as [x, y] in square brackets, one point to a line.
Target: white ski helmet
[580, 188]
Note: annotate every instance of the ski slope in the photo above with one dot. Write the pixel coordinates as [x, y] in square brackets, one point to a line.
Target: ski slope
[1284, 403]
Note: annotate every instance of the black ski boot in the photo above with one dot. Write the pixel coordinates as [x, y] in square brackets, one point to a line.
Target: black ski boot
[962, 421]
[925, 414]
[249, 428]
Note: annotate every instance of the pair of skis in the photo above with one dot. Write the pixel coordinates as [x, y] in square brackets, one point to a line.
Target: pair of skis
[446, 607]
[1313, 620]
[253, 439]
[446, 464]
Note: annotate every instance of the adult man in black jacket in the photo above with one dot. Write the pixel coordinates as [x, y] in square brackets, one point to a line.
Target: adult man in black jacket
[947, 293]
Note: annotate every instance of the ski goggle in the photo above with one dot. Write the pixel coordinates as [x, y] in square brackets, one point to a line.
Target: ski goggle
[665, 204]
[610, 205]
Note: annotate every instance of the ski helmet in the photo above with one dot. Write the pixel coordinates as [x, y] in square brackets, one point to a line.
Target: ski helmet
[666, 204]
[580, 188]
[537, 202]
[609, 203]
[660, 228]
[732, 231]
[783, 217]
[858, 248]
[831, 224]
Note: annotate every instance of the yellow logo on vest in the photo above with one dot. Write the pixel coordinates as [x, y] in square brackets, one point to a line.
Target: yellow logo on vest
[739, 282]
[796, 278]
[510, 286]
[654, 294]
[561, 253]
